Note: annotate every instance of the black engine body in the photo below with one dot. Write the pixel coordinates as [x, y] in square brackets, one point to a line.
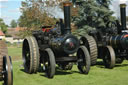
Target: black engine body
[115, 35]
[58, 37]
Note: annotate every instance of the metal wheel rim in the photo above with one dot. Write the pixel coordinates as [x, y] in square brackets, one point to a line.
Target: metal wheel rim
[8, 72]
[82, 62]
[26, 57]
[49, 63]
[109, 58]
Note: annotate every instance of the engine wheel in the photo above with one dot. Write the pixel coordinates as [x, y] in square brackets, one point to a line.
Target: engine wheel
[31, 56]
[49, 63]
[8, 72]
[3, 52]
[5, 65]
[83, 60]
[109, 57]
[91, 45]
[67, 66]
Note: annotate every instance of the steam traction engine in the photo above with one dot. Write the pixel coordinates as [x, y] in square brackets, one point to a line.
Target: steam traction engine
[6, 73]
[54, 45]
[112, 42]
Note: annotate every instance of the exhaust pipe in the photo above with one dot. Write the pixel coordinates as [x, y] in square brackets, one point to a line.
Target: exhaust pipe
[67, 17]
[123, 15]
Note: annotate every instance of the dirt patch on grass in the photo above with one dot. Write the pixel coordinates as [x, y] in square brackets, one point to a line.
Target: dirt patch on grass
[16, 58]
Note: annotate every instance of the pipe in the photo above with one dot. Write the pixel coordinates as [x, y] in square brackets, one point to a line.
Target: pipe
[123, 15]
[67, 17]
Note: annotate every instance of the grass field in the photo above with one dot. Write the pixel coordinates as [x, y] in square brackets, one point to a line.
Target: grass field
[15, 53]
[98, 75]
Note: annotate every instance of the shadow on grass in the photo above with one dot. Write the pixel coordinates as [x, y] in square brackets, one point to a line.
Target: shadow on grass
[100, 64]
[121, 65]
[65, 72]
[23, 70]
[59, 72]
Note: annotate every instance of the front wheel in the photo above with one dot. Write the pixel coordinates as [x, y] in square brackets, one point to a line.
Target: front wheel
[83, 60]
[49, 63]
[7, 69]
[109, 57]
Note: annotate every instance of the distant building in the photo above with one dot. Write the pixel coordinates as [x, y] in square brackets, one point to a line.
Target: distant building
[2, 35]
[14, 33]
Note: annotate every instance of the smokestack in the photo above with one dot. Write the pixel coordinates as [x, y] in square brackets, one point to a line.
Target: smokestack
[67, 17]
[123, 15]
[74, 3]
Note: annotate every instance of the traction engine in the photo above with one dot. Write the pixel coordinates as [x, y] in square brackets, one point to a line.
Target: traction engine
[111, 44]
[55, 45]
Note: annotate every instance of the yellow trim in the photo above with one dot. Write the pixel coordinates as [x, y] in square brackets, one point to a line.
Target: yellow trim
[123, 5]
[67, 3]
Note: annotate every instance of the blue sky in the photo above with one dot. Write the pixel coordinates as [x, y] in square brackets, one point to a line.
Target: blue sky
[9, 9]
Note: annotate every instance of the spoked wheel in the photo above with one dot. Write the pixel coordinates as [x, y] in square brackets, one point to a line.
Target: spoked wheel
[91, 45]
[7, 71]
[83, 60]
[30, 53]
[49, 63]
[65, 66]
[109, 57]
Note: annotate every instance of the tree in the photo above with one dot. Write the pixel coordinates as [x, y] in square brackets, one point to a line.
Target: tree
[13, 24]
[36, 13]
[3, 26]
[93, 14]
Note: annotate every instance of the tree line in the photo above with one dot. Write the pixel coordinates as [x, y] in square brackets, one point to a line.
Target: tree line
[90, 14]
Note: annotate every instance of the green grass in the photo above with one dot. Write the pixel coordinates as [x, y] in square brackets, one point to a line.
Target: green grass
[98, 75]
[15, 53]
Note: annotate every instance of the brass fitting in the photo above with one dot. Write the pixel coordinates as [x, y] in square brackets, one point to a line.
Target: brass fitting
[67, 3]
[123, 5]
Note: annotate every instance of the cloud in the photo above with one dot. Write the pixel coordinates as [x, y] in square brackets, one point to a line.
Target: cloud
[123, 1]
[7, 19]
[3, 0]
[2, 6]
[14, 10]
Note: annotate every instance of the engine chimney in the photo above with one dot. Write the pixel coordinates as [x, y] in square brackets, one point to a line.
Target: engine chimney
[123, 16]
[67, 17]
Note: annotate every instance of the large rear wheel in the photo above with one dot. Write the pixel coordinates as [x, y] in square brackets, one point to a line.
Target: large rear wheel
[31, 56]
[83, 60]
[91, 45]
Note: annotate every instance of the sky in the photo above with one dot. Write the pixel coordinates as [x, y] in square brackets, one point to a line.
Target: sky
[10, 9]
